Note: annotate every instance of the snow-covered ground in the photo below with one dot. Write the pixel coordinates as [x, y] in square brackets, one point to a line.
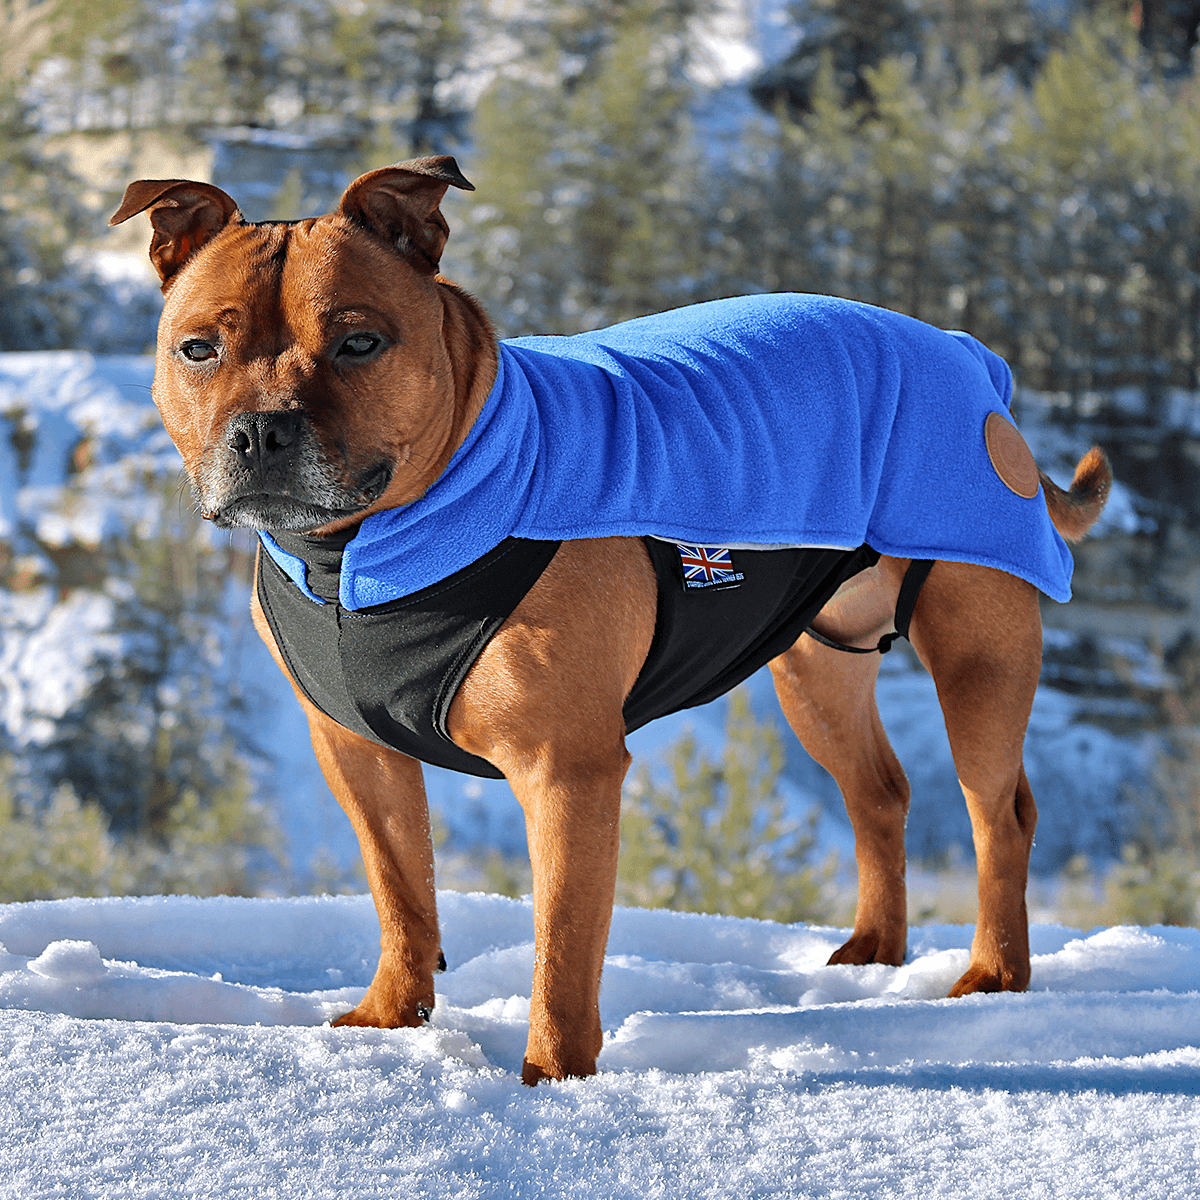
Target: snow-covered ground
[172, 1047]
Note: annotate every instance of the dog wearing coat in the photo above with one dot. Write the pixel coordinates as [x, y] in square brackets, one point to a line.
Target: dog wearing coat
[502, 557]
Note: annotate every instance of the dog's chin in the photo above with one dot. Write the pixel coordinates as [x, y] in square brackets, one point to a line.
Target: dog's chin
[278, 512]
[290, 514]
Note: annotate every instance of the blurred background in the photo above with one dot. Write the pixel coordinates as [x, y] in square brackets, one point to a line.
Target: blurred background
[1028, 170]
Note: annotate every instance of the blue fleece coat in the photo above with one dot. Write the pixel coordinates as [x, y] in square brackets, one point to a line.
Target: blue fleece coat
[761, 421]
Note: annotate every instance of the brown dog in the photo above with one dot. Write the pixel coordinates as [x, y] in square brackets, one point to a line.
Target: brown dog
[317, 372]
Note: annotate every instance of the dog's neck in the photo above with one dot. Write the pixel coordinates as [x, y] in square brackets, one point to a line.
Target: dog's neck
[470, 342]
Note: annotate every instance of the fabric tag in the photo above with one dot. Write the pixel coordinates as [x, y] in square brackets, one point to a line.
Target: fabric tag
[707, 566]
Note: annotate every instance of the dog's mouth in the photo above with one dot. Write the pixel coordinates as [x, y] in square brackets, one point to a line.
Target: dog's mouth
[301, 509]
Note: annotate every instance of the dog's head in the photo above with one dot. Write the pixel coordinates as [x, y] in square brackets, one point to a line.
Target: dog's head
[312, 372]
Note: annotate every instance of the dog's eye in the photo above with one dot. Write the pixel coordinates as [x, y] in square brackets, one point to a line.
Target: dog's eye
[198, 351]
[360, 345]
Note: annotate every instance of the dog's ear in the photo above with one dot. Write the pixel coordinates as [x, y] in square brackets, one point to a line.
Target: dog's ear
[184, 214]
[400, 204]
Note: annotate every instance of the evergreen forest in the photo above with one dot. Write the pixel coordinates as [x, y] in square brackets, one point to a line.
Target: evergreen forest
[1028, 170]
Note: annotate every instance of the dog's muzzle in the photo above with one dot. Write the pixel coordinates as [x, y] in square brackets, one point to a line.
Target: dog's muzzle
[267, 471]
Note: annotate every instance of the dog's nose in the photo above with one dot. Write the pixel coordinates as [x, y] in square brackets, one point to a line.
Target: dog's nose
[257, 438]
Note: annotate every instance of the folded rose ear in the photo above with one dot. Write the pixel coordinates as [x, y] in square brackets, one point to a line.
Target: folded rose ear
[185, 216]
[400, 204]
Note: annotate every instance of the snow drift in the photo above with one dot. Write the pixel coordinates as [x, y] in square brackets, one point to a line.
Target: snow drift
[174, 1046]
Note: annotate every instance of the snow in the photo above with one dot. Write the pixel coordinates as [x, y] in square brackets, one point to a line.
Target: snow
[174, 1046]
[49, 652]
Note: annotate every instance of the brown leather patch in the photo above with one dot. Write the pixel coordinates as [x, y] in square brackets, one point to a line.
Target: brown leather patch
[1010, 456]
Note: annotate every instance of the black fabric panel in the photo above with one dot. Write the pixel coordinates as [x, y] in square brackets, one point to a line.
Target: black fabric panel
[322, 556]
[709, 640]
[389, 673]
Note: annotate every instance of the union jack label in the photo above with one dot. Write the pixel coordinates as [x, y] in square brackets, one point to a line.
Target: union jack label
[708, 566]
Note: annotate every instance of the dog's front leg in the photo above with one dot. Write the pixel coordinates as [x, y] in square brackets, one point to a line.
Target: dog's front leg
[544, 703]
[383, 794]
[572, 815]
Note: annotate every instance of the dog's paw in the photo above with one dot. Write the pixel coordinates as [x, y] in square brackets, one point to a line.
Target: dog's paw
[532, 1074]
[990, 979]
[371, 1016]
[865, 948]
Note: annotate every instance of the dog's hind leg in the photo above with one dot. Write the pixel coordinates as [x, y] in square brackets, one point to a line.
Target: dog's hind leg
[979, 633]
[828, 698]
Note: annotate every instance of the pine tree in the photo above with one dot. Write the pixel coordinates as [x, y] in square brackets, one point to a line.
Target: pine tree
[715, 839]
[854, 37]
[1056, 223]
[586, 182]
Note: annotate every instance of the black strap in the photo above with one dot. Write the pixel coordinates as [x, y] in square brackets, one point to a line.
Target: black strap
[910, 589]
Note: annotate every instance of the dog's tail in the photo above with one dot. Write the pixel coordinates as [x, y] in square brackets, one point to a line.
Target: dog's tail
[1074, 512]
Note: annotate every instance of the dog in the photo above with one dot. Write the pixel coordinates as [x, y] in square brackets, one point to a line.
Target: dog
[325, 386]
